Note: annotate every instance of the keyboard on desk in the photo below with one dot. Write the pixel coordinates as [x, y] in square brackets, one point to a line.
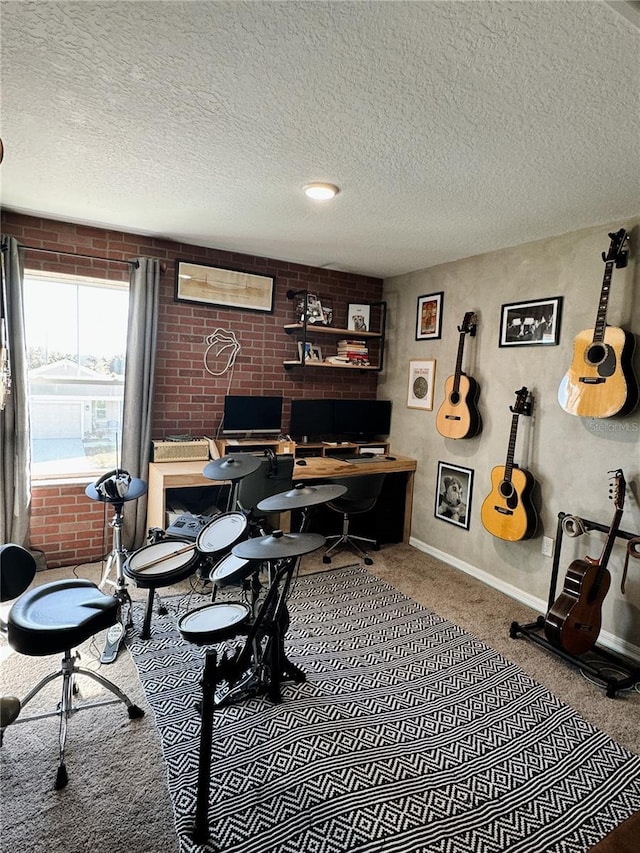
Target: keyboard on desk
[363, 457]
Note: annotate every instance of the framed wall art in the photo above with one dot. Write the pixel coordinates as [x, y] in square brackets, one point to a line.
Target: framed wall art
[310, 351]
[422, 377]
[454, 487]
[223, 288]
[532, 323]
[358, 318]
[429, 317]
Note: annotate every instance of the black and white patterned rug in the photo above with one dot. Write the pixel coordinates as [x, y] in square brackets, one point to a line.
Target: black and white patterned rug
[409, 734]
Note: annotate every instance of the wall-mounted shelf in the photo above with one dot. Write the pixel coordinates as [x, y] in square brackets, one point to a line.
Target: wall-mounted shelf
[306, 332]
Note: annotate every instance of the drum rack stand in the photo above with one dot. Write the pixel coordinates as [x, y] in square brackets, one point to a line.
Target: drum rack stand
[615, 672]
[271, 622]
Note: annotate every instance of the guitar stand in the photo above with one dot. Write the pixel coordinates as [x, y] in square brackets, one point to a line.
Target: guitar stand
[616, 673]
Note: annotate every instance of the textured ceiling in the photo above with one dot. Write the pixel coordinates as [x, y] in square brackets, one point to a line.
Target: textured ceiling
[452, 128]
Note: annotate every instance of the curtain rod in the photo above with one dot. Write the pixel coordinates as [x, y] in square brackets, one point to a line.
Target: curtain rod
[77, 255]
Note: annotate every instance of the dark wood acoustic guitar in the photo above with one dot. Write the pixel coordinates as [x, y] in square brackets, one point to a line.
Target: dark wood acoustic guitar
[601, 382]
[574, 621]
[458, 416]
[508, 511]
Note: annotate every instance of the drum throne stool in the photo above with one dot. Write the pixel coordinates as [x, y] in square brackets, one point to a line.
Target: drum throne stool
[56, 617]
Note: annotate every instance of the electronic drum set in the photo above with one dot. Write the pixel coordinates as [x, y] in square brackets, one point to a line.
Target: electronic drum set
[232, 550]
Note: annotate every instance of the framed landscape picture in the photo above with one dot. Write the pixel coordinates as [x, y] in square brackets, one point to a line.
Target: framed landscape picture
[224, 288]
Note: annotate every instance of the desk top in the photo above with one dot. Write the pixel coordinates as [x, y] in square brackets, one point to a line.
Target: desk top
[330, 466]
[318, 467]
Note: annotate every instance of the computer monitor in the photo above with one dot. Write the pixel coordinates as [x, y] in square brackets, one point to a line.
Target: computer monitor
[253, 415]
[361, 419]
[312, 419]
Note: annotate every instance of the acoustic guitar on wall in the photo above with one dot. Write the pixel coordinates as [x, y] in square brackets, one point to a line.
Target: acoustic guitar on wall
[458, 416]
[508, 511]
[574, 621]
[600, 382]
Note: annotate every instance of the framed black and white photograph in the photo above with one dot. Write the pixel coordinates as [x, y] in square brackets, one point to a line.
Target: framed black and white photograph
[454, 488]
[429, 317]
[532, 323]
[358, 318]
[309, 351]
[223, 288]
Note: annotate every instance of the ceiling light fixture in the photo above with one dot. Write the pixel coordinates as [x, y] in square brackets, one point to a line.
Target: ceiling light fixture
[321, 192]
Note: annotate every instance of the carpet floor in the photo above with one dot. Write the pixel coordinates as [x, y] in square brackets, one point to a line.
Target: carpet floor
[409, 734]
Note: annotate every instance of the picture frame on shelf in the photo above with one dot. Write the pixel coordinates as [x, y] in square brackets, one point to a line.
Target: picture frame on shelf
[429, 316]
[311, 305]
[309, 352]
[358, 317]
[422, 378]
[454, 491]
[535, 322]
[222, 287]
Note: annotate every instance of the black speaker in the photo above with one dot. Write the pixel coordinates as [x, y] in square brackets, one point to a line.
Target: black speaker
[113, 484]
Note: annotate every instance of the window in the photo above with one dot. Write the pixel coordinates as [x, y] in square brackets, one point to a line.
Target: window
[76, 332]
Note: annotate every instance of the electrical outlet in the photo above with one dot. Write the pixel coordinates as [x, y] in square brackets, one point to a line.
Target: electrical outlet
[547, 546]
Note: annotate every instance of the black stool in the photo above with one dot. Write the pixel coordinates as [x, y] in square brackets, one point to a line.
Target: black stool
[52, 618]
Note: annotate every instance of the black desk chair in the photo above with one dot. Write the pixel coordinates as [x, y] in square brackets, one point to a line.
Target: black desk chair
[361, 496]
[275, 475]
[48, 619]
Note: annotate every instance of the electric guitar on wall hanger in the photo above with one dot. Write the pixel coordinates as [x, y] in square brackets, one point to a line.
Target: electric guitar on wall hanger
[600, 382]
[508, 512]
[573, 622]
[458, 416]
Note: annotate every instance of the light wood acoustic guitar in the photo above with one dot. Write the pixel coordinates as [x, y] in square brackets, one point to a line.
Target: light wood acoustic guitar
[458, 416]
[601, 382]
[574, 621]
[508, 511]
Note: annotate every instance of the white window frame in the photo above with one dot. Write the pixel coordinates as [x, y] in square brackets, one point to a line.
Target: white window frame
[42, 473]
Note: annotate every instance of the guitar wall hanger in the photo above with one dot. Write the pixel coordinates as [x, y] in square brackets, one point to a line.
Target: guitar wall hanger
[622, 257]
[526, 408]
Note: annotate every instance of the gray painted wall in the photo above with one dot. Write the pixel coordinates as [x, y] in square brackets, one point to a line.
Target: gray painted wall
[569, 456]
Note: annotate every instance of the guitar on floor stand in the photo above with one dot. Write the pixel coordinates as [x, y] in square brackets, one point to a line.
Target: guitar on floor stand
[508, 511]
[458, 416]
[574, 621]
[601, 382]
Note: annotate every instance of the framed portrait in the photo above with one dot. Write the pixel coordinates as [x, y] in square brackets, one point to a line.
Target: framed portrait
[532, 323]
[309, 351]
[454, 487]
[422, 377]
[358, 318]
[223, 288]
[429, 317]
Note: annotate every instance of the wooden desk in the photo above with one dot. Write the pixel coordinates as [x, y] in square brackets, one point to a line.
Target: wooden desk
[181, 475]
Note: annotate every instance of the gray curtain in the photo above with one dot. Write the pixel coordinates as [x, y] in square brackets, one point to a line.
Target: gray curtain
[138, 389]
[15, 439]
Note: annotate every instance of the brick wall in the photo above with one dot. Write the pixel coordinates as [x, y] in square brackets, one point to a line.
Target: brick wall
[69, 527]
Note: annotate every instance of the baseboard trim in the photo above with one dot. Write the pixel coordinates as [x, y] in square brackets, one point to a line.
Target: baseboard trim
[606, 639]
